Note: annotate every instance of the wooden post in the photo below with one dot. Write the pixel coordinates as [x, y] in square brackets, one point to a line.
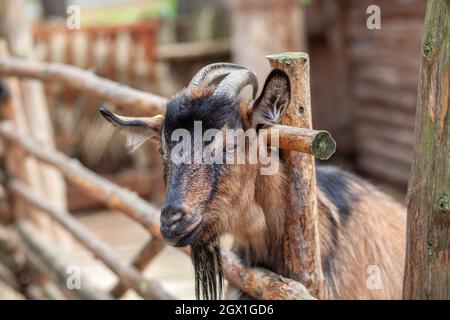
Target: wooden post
[301, 252]
[16, 163]
[261, 27]
[28, 110]
[427, 267]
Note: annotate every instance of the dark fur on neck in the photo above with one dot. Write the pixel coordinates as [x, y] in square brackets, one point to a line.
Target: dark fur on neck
[207, 262]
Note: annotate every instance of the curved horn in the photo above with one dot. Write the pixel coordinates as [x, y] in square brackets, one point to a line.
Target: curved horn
[213, 71]
[235, 82]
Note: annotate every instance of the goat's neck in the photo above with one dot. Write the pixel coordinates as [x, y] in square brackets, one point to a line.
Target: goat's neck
[260, 241]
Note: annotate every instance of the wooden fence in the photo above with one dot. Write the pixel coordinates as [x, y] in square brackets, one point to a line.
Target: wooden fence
[302, 144]
[142, 34]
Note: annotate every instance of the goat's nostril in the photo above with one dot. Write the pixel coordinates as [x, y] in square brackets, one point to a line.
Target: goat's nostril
[169, 216]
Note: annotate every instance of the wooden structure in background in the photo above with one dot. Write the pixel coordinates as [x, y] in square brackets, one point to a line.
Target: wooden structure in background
[261, 27]
[369, 79]
[385, 65]
[141, 34]
[427, 267]
[257, 282]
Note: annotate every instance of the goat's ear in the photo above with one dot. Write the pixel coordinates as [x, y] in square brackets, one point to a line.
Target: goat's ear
[137, 129]
[274, 98]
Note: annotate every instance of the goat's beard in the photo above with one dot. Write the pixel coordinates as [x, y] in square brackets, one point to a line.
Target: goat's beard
[207, 262]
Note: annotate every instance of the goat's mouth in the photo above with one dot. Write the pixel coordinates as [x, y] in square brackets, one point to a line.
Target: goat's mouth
[184, 235]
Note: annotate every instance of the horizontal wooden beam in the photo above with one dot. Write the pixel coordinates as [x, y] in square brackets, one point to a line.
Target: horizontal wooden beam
[319, 143]
[260, 283]
[112, 195]
[86, 81]
[143, 181]
[149, 289]
[44, 258]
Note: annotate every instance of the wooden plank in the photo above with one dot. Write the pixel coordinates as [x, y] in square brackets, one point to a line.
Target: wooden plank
[260, 283]
[52, 184]
[384, 168]
[17, 164]
[145, 182]
[318, 143]
[86, 81]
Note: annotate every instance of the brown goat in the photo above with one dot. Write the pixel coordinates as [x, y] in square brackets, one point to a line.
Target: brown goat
[362, 230]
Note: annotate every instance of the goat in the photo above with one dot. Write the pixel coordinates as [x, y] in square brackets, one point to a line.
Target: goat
[361, 229]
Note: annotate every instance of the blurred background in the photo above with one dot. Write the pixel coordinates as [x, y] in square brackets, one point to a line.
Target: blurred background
[363, 86]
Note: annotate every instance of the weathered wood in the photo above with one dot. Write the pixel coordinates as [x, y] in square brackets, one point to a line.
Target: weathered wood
[143, 181]
[140, 262]
[261, 27]
[37, 120]
[16, 163]
[15, 26]
[427, 267]
[301, 252]
[382, 84]
[10, 264]
[260, 283]
[52, 185]
[149, 289]
[86, 81]
[47, 260]
[112, 195]
[318, 143]
[8, 278]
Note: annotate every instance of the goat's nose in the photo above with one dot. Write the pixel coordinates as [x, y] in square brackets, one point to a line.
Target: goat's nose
[171, 214]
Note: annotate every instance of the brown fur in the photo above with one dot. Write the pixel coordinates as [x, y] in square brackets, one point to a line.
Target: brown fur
[374, 235]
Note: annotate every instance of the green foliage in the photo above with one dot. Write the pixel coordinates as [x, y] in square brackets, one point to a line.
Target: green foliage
[305, 2]
[165, 9]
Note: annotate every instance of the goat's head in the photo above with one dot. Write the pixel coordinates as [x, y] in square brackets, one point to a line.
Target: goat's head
[204, 201]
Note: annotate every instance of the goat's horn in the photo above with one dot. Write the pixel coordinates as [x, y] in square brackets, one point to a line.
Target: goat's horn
[235, 82]
[212, 72]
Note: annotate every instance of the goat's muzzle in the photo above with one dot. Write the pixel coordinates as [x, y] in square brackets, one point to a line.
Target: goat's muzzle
[178, 227]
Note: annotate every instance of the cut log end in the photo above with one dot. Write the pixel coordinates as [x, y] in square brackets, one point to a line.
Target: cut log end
[323, 146]
[286, 56]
